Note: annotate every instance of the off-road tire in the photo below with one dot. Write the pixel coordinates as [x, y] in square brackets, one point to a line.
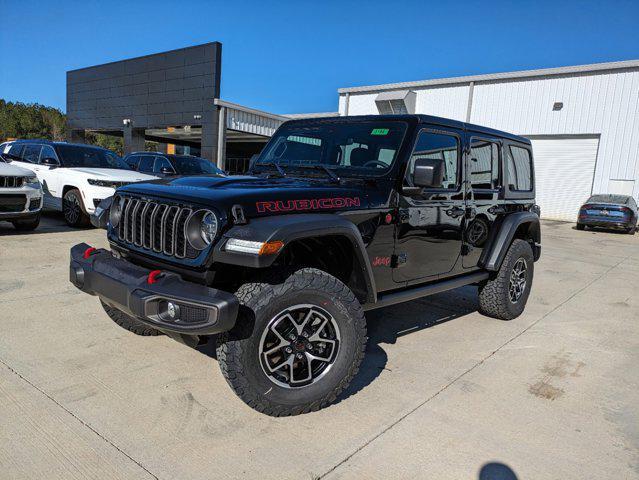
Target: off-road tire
[27, 225]
[581, 226]
[73, 209]
[129, 323]
[494, 299]
[260, 302]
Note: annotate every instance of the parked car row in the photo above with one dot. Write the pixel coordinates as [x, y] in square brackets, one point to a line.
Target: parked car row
[74, 178]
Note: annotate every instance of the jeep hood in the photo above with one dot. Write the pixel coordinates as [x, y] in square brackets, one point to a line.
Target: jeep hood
[258, 196]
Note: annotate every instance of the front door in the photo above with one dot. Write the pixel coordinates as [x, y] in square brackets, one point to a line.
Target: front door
[430, 230]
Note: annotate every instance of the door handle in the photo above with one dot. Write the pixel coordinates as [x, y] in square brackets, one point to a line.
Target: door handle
[455, 212]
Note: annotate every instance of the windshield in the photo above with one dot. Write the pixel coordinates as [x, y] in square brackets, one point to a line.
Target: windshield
[194, 166]
[357, 148]
[78, 156]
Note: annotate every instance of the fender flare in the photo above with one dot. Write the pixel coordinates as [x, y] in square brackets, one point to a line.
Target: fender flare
[502, 235]
[288, 228]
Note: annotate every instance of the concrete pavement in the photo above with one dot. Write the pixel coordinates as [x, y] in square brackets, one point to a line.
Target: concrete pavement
[443, 393]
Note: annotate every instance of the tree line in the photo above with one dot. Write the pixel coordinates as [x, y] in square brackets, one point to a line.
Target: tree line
[32, 120]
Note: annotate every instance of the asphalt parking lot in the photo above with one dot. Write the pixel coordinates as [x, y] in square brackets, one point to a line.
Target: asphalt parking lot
[443, 393]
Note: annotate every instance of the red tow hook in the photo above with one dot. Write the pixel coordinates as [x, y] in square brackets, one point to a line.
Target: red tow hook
[88, 252]
[153, 276]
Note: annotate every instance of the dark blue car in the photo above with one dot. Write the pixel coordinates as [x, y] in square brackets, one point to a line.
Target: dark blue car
[609, 211]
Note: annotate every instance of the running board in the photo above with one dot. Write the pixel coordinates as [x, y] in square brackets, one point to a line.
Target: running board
[426, 290]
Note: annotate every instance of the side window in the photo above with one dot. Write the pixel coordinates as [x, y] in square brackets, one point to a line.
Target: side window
[160, 163]
[484, 164]
[15, 151]
[48, 152]
[146, 163]
[437, 146]
[132, 161]
[31, 153]
[519, 168]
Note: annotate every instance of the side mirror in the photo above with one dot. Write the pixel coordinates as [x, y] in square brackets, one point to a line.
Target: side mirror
[428, 172]
[50, 162]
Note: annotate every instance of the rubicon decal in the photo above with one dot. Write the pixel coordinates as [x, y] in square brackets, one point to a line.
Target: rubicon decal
[307, 204]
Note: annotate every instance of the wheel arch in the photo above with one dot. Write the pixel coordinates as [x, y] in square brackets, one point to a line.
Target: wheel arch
[325, 241]
[523, 225]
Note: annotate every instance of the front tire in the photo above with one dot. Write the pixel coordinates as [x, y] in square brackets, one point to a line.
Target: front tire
[129, 323]
[73, 209]
[505, 296]
[581, 226]
[297, 344]
[27, 225]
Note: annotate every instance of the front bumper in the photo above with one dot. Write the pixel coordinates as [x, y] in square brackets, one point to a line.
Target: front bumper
[125, 286]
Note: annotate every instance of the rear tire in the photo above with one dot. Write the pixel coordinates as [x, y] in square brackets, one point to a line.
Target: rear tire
[581, 226]
[73, 209]
[308, 315]
[129, 323]
[505, 296]
[27, 225]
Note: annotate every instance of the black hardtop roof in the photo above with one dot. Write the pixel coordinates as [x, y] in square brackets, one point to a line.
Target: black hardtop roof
[415, 118]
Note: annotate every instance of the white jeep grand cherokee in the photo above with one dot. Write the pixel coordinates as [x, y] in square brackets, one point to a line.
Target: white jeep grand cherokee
[75, 178]
[20, 196]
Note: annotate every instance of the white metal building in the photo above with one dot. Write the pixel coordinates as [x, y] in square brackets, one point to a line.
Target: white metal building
[583, 122]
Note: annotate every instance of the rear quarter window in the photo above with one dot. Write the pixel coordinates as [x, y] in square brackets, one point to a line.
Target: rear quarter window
[519, 169]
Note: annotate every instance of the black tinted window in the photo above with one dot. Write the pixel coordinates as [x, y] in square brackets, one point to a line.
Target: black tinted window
[194, 166]
[48, 152]
[484, 164]
[437, 146]
[77, 156]
[160, 163]
[31, 153]
[15, 151]
[132, 161]
[146, 163]
[519, 167]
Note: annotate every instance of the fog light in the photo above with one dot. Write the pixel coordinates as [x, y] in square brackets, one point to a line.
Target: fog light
[172, 310]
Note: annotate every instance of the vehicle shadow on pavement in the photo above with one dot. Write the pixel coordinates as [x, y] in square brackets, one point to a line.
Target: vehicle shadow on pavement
[387, 325]
[50, 222]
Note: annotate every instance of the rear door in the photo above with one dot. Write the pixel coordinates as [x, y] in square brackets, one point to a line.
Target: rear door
[484, 198]
[430, 230]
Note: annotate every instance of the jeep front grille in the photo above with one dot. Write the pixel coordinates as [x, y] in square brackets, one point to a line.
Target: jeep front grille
[11, 182]
[154, 226]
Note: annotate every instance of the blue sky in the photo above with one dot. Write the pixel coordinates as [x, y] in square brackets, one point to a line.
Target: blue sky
[289, 57]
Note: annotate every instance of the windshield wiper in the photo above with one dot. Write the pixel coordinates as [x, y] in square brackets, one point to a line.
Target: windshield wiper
[321, 166]
[271, 163]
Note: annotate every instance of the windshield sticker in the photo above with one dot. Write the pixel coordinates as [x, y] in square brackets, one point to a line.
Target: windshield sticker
[310, 204]
[379, 131]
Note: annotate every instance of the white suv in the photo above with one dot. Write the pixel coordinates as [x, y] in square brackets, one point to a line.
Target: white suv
[20, 197]
[75, 178]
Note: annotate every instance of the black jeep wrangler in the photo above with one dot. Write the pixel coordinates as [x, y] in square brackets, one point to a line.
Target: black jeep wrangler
[337, 216]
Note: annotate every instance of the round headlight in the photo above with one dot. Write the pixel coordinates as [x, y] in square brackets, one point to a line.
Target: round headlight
[208, 227]
[115, 212]
[201, 229]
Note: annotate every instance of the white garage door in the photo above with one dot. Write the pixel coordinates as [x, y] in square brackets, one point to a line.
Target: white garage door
[564, 171]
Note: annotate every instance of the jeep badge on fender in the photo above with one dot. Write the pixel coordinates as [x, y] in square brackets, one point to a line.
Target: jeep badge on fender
[336, 217]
